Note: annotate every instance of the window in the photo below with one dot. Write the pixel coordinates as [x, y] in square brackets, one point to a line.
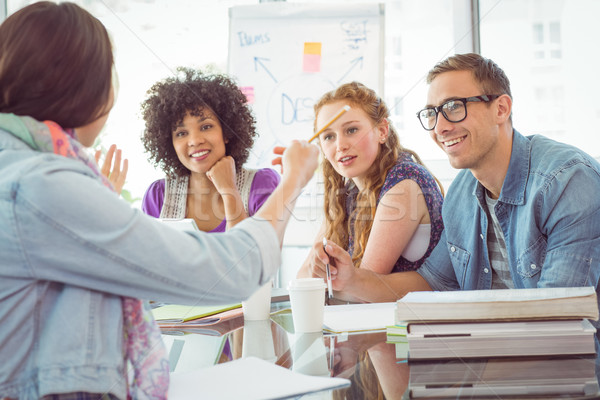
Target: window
[546, 41]
[555, 86]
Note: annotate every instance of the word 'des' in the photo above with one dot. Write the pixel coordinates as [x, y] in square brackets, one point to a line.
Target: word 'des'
[296, 109]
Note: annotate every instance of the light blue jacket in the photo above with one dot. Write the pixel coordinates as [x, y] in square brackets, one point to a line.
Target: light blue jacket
[549, 211]
[69, 248]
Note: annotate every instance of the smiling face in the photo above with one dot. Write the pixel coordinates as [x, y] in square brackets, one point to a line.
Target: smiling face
[351, 144]
[198, 141]
[475, 142]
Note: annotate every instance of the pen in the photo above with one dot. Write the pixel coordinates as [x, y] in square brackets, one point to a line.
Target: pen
[331, 352]
[331, 121]
[329, 289]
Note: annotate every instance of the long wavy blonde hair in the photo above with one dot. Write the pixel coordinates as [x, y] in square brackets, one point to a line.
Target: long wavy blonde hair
[337, 222]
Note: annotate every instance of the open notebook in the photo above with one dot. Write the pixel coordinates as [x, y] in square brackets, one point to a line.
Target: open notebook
[174, 313]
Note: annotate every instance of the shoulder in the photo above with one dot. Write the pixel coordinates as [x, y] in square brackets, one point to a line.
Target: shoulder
[548, 156]
[157, 186]
[49, 169]
[407, 169]
[50, 183]
[32, 172]
[264, 183]
[153, 198]
[264, 178]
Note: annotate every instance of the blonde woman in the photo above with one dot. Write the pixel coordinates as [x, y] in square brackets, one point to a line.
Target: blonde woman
[381, 204]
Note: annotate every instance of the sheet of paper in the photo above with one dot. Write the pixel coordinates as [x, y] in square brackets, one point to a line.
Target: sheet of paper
[359, 317]
[254, 379]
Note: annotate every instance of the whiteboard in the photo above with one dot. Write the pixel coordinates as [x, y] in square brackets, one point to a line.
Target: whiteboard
[284, 56]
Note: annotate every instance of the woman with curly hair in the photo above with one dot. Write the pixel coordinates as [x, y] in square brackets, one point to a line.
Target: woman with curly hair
[381, 204]
[199, 131]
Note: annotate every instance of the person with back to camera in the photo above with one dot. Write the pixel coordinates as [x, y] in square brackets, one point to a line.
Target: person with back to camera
[381, 203]
[199, 131]
[76, 259]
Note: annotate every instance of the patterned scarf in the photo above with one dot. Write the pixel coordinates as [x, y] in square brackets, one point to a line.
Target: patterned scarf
[143, 346]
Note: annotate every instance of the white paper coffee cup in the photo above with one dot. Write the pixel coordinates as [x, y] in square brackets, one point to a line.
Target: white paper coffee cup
[258, 306]
[307, 296]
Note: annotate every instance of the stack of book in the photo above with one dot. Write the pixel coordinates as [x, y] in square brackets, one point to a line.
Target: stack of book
[500, 378]
[396, 334]
[449, 330]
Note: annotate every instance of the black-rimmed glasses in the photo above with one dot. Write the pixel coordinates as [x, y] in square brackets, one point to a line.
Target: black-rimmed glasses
[454, 110]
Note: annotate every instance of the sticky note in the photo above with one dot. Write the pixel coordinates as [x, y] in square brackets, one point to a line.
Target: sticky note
[312, 48]
[248, 91]
[311, 61]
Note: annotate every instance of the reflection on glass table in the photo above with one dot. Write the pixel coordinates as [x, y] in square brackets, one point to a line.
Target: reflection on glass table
[549, 377]
[378, 369]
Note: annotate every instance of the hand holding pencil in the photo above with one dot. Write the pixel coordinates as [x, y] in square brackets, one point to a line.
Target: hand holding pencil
[280, 149]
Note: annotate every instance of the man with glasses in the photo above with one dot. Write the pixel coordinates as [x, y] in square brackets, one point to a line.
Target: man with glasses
[524, 211]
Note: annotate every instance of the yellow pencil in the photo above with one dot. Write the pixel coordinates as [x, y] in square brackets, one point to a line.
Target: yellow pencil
[331, 121]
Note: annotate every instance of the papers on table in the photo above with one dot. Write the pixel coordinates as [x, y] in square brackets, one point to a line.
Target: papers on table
[247, 378]
[174, 313]
[358, 317]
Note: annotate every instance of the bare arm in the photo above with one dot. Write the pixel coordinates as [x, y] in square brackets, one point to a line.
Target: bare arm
[300, 161]
[397, 217]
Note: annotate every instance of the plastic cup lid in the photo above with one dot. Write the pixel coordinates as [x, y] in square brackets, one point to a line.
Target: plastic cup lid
[306, 284]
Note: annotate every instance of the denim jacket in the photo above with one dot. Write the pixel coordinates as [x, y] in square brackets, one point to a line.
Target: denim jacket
[549, 212]
[70, 248]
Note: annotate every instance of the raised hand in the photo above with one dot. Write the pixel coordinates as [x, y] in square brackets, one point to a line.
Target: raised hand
[115, 172]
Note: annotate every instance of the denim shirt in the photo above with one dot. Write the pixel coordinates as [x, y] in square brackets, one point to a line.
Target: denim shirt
[70, 249]
[549, 212]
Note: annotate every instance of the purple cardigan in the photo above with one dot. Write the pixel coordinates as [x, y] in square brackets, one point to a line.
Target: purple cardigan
[264, 182]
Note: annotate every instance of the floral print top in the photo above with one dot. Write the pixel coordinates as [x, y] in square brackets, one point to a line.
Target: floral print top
[405, 168]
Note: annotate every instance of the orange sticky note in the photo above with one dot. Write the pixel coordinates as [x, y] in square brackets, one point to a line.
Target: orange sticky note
[311, 61]
[312, 48]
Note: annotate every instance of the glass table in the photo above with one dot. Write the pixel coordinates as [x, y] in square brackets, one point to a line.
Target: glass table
[376, 368]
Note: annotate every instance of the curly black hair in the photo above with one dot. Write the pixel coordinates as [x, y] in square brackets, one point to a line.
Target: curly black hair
[192, 91]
